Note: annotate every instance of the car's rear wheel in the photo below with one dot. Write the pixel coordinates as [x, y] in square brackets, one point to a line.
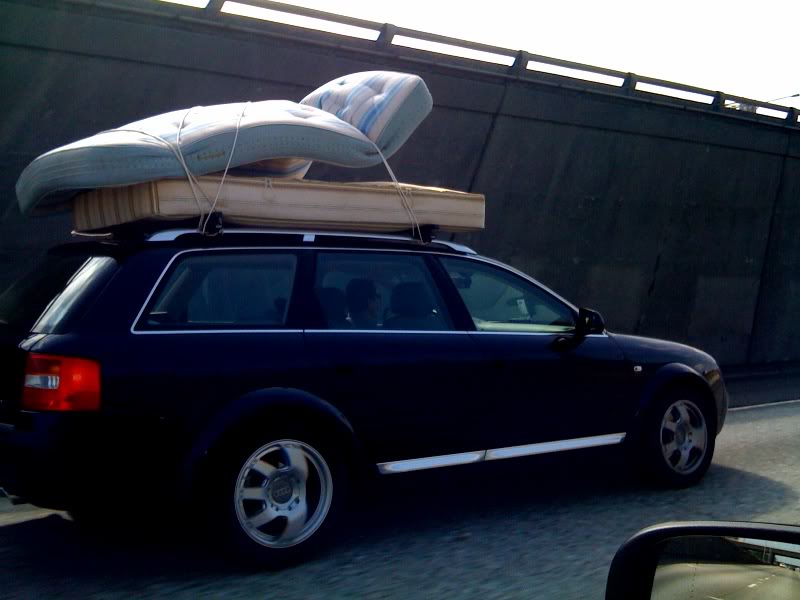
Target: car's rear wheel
[279, 496]
[678, 439]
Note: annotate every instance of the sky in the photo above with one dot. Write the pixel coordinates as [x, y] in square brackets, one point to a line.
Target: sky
[748, 48]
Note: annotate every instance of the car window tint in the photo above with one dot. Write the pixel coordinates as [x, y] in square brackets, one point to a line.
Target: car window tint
[224, 290]
[81, 288]
[500, 301]
[378, 291]
[48, 279]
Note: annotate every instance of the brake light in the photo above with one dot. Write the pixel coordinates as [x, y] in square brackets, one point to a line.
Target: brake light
[61, 383]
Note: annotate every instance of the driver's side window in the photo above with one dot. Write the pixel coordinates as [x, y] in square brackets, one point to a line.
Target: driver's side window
[500, 301]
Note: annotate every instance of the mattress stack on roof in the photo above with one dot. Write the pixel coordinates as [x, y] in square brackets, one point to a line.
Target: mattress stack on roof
[283, 203]
[152, 169]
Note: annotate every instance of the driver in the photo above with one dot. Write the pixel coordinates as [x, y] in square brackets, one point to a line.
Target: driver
[363, 304]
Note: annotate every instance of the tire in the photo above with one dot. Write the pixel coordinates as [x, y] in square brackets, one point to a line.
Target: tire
[277, 496]
[677, 439]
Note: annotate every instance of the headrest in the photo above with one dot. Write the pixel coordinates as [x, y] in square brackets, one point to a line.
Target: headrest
[359, 292]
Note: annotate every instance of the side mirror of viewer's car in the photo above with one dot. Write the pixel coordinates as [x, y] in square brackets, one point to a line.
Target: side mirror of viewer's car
[707, 560]
[589, 322]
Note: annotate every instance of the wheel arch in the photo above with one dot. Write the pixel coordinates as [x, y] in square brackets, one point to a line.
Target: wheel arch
[668, 378]
[260, 406]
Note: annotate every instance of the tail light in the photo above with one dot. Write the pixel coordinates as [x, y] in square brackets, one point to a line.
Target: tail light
[61, 383]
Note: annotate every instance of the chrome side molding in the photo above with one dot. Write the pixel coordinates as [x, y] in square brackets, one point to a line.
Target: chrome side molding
[465, 458]
[557, 446]
[432, 462]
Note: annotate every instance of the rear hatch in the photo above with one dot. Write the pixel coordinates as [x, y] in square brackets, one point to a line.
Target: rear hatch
[49, 298]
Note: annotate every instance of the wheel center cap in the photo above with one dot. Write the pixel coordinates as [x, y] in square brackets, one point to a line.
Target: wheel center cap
[680, 436]
[281, 490]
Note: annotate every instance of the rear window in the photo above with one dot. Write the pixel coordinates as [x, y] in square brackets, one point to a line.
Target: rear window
[223, 290]
[53, 292]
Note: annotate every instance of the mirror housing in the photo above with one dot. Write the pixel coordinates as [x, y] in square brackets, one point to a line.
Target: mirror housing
[633, 570]
[589, 322]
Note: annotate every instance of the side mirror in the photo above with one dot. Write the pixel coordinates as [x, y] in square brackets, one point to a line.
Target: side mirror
[589, 322]
[707, 560]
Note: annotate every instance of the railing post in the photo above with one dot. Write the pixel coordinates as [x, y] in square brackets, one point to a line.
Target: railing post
[719, 102]
[387, 34]
[520, 66]
[214, 6]
[629, 84]
[791, 116]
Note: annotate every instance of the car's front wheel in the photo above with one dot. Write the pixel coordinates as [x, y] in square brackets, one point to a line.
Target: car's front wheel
[678, 437]
[280, 497]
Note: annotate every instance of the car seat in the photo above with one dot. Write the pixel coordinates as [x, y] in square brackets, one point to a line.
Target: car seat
[413, 308]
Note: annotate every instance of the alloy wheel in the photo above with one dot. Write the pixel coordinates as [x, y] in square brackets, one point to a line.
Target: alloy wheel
[283, 493]
[684, 436]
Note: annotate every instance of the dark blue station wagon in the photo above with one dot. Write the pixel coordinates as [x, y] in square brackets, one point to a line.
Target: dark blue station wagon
[255, 372]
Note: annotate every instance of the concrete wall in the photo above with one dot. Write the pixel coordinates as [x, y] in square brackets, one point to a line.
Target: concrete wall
[673, 222]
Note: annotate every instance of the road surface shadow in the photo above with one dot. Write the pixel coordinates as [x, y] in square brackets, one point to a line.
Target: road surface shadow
[447, 505]
[588, 483]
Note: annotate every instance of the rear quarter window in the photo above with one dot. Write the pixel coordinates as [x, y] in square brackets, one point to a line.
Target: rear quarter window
[54, 292]
[223, 290]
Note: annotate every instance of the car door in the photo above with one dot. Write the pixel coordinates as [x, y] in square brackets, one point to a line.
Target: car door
[544, 384]
[219, 324]
[388, 354]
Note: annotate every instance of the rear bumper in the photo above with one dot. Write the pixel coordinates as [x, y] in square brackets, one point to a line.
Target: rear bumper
[57, 460]
[44, 457]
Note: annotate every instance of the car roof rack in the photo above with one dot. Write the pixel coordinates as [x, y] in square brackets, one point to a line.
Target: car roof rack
[309, 236]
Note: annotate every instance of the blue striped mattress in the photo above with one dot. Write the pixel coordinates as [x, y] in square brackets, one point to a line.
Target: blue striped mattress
[345, 122]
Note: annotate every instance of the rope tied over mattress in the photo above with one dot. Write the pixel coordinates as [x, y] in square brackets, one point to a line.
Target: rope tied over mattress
[227, 166]
[404, 196]
[194, 184]
[199, 194]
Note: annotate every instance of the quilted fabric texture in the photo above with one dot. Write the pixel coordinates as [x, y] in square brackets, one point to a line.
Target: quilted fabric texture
[135, 154]
[383, 105]
[340, 123]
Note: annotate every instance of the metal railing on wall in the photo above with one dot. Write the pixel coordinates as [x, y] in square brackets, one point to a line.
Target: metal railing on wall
[270, 18]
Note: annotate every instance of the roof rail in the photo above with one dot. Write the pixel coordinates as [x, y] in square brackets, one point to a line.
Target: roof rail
[170, 235]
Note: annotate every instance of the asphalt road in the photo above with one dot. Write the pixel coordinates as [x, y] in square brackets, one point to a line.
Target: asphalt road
[532, 528]
[725, 582]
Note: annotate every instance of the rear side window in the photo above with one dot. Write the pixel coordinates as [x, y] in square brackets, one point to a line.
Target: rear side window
[54, 292]
[223, 290]
[378, 291]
